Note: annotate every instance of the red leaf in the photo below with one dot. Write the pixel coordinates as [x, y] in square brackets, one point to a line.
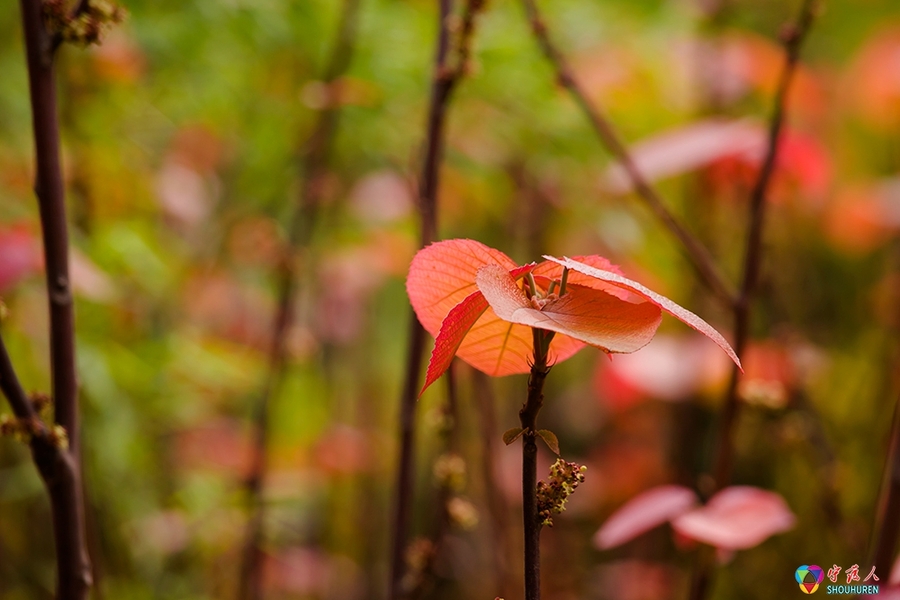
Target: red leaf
[20, 256]
[644, 512]
[662, 302]
[442, 276]
[459, 321]
[588, 315]
[688, 148]
[737, 518]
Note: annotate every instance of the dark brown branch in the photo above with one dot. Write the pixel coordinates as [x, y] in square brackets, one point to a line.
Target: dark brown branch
[60, 469]
[887, 520]
[444, 80]
[314, 164]
[724, 450]
[11, 387]
[528, 419]
[695, 251]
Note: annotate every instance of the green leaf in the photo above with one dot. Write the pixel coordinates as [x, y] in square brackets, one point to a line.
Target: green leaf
[550, 439]
[512, 435]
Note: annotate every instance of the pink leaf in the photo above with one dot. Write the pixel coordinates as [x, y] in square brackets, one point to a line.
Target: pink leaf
[588, 315]
[662, 302]
[20, 256]
[644, 512]
[688, 148]
[737, 518]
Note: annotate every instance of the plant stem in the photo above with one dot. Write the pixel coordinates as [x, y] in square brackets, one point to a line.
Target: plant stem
[497, 505]
[753, 252]
[696, 252]
[444, 80]
[61, 469]
[887, 520]
[528, 419]
[724, 451]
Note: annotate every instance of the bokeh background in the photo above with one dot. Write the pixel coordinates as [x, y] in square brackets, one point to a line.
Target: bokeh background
[183, 139]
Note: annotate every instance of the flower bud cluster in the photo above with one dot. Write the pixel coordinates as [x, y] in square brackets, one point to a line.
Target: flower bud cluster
[24, 430]
[450, 472]
[552, 495]
[85, 27]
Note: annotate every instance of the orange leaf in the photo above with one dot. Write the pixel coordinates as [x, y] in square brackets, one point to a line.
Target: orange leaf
[662, 302]
[441, 277]
[588, 315]
[443, 274]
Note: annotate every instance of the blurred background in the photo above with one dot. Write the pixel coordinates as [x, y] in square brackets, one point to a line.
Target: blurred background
[184, 136]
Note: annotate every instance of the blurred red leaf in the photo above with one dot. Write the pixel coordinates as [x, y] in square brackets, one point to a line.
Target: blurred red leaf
[737, 518]
[671, 368]
[644, 512]
[874, 79]
[768, 375]
[687, 149]
[20, 255]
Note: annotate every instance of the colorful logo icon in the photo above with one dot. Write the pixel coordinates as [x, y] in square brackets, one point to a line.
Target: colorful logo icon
[809, 577]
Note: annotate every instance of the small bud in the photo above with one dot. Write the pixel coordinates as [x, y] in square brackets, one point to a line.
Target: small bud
[450, 472]
[463, 514]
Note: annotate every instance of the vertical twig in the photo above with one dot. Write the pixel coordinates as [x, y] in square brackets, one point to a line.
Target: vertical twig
[314, 164]
[886, 526]
[61, 469]
[724, 449]
[695, 251]
[443, 521]
[528, 419]
[793, 41]
[497, 506]
[887, 520]
[444, 80]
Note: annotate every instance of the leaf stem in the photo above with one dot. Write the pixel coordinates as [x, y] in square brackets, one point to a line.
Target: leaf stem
[444, 81]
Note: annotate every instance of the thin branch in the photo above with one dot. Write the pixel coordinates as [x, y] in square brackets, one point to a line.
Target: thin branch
[793, 42]
[444, 80]
[497, 505]
[314, 164]
[887, 519]
[443, 519]
[724, 450]
[695, 251]
[21, 405]
[60, 469]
